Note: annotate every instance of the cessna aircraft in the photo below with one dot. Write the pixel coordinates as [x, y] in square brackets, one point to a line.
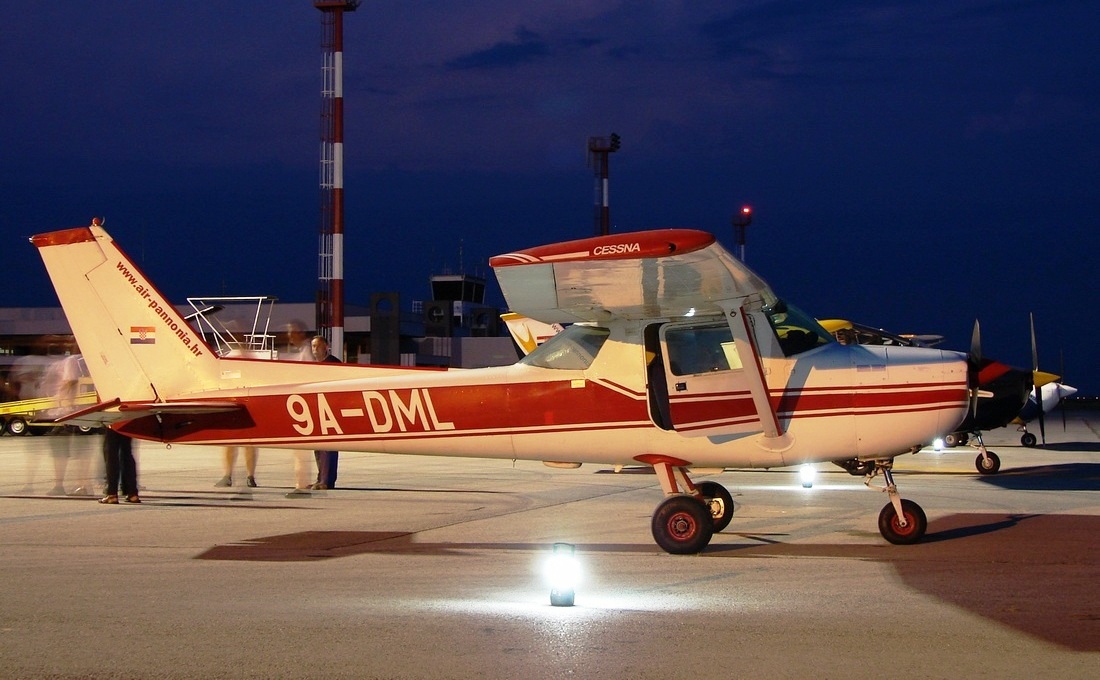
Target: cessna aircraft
[679, 356]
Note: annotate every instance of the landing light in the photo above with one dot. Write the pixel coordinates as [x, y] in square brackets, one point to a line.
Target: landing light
[563, 572]
[807, 473]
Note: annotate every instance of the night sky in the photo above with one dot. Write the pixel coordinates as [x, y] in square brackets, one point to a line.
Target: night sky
[912, 166]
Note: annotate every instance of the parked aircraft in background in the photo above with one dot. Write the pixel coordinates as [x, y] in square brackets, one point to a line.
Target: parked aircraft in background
[1042, 399]
[679, 356]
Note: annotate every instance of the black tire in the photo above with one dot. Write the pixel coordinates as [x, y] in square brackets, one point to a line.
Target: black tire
[682, 525]
[1029, 439]
[717, 492]
[17, 426]
[951, 440]
[988, 467]
[916, 523]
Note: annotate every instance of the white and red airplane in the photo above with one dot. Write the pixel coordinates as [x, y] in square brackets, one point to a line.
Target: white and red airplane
[679, 357]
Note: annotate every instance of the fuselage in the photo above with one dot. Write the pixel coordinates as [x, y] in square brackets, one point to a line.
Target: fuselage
[833, 402]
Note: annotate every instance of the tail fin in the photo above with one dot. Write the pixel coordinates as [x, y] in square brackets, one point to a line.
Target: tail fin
[529, 333]
[135, 344]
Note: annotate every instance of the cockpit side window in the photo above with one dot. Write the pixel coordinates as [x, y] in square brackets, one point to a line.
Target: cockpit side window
[700, 349]
[575, 348]
[797, 331]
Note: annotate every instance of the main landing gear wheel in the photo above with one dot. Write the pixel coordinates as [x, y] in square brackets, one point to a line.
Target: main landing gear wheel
[915, 523]
[682, 525]
[720, 503]
[1028, 439]
[987, 465]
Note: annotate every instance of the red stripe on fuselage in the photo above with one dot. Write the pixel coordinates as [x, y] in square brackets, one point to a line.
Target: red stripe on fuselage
[440, 412]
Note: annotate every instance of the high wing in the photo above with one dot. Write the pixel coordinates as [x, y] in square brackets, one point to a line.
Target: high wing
[641, 275]
[669, 273]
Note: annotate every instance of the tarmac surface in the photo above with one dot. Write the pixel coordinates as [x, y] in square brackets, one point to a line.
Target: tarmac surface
[430, 568]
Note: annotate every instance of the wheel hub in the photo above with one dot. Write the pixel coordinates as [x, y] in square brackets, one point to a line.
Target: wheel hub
[681, 526]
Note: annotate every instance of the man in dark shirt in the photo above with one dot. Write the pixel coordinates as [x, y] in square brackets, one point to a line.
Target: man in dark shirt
[327, 461]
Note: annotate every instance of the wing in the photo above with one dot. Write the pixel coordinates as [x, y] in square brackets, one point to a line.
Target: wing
[640, 275]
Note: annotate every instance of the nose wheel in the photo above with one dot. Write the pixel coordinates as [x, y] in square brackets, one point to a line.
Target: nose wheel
[901, 521]
[894, 530]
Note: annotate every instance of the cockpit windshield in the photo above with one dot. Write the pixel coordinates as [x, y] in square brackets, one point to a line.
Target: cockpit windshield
[797, 331]
[575, 348]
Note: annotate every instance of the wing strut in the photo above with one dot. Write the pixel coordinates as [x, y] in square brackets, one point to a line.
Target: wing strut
[745, 342]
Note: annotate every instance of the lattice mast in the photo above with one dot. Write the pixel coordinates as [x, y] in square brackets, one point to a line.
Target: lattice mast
[330, 290]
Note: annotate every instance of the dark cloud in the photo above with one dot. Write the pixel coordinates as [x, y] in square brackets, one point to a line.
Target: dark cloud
[527, 47]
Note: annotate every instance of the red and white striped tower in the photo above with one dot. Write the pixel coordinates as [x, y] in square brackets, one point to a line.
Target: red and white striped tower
[330, 292]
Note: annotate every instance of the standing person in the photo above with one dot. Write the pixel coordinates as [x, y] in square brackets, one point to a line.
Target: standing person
[231, 460]
[60, 382]
[297, 345]
[118, 454]
[327, 461]
[298, 350]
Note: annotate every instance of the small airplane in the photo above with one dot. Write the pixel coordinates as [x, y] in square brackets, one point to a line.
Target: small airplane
[1042, 399]
[677, 357]
[851, 332]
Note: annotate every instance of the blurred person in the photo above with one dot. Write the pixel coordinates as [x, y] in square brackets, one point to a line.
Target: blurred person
[118, 454]
[327, 461]
[298, 349]
[230, 460]
[61, 382]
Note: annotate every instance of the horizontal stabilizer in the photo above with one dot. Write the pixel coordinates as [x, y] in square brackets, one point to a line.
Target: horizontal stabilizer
[106, 413]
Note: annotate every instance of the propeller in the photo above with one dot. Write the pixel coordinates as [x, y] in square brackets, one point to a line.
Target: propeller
[975, 362]
[1038, 390]
[1061, 402]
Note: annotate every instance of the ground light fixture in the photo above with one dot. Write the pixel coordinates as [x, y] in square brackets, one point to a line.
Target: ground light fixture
[562, 572]
[807, 473]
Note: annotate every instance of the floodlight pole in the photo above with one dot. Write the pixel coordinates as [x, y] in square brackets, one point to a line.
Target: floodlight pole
[740, 221]
[598, 150]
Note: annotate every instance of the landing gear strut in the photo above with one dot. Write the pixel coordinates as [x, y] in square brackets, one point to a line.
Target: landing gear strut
[987, 462]
[901, 521]
[686, 520]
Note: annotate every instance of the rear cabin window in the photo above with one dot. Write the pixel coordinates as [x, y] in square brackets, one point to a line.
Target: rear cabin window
[575, 349]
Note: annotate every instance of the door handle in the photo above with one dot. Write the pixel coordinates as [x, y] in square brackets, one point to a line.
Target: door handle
[681, 387]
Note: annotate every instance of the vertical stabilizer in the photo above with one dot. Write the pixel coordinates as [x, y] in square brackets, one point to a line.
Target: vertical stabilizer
[136, 345]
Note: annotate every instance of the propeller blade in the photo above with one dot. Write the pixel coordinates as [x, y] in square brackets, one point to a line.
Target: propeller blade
[1034, 346]
[1042, 418]
[1061, 402]
[1038, 388]
[975, 367]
